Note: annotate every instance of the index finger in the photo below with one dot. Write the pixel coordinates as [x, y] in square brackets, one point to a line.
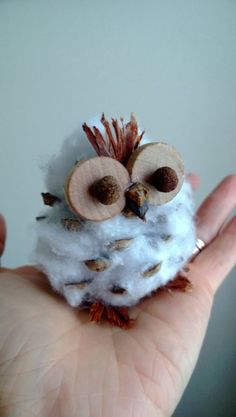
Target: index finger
[213, 212]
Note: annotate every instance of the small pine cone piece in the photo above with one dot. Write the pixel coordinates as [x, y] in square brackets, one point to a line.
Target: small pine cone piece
[50, 199]
[71, 224]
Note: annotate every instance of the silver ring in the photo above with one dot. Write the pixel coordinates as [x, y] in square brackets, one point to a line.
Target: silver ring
[199, 246]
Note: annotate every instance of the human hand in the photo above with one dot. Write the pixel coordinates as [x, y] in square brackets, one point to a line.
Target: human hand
[53, 362]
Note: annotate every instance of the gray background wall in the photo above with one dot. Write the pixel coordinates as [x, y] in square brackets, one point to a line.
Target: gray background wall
[171, 62]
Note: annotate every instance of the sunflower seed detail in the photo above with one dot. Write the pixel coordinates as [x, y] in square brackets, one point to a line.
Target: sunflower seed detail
[116, 289]
[98, 265]
[119, 244]
[152, 271]
[78, 285]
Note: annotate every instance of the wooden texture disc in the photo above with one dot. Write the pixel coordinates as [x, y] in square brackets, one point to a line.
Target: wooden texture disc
[81, 180]
[146, 160]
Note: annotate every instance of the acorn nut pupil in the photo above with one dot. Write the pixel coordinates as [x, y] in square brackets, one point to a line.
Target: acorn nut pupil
[165, 179]
[106, 190]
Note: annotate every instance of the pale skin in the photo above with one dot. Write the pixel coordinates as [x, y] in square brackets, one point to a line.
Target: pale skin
[53, 362]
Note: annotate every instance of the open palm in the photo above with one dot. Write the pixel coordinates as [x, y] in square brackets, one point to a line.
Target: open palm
[53, 362]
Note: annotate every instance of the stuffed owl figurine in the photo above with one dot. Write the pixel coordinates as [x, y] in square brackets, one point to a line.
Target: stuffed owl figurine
[121, 219]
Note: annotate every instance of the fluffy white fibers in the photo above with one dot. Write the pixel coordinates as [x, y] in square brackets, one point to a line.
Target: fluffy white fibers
[149, 255]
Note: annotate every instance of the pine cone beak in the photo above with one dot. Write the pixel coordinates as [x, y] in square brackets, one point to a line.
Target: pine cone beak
[137, 199]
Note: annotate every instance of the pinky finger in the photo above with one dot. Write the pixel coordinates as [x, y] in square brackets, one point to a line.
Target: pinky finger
[2, 234]
[216, 261]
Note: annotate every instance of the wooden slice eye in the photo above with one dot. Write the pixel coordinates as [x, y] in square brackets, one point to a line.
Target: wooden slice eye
[95, 189]
[159, 167]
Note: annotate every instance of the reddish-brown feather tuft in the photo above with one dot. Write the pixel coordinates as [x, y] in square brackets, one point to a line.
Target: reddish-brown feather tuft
[96, 312]
[119, 316]
[117, 143]
[116, 316]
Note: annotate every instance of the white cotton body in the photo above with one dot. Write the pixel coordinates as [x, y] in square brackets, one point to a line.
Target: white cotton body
[167, 238]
